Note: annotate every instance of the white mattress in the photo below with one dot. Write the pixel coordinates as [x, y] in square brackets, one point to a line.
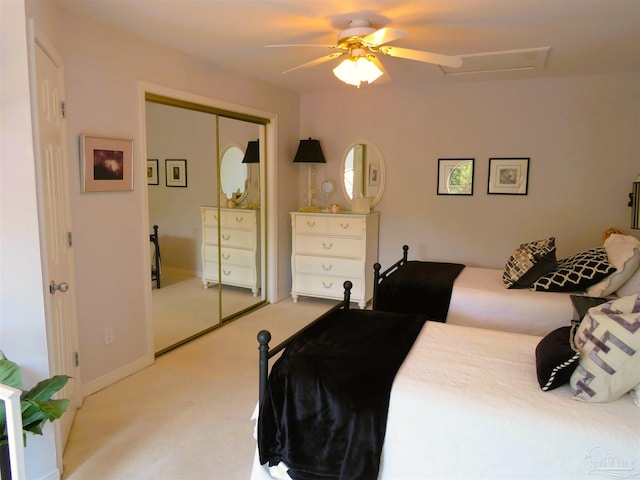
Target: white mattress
[480, 299]
[466, 404]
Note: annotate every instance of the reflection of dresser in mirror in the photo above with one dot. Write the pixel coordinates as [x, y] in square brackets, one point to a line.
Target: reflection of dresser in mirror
[240, 253]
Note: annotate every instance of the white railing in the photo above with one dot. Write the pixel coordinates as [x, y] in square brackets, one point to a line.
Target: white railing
[11, 398]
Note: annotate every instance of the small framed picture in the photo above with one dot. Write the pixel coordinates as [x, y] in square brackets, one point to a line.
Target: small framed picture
[106, 164]
[374, 172]
[455, 176]
[175, 172]
[152, 172]
[508, 176]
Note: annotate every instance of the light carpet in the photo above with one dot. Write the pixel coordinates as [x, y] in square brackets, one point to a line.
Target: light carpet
[186, 417]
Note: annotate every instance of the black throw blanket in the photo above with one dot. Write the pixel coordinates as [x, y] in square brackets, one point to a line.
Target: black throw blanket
[419, 287]
[325, 410]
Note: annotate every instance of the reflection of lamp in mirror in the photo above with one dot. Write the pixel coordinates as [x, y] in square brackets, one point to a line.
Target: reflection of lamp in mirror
[252, 156]
[309, 151]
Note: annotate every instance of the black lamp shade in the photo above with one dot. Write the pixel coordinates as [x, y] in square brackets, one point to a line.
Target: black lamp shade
[252, 154]
[309, 151]
[635, 204]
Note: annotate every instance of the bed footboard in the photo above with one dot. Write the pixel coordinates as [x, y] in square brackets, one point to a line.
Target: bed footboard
[264, 337]
[380, 276]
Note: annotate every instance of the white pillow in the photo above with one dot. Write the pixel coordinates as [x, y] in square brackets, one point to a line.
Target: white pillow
[624, 254]
[631, 286]
[608, 340]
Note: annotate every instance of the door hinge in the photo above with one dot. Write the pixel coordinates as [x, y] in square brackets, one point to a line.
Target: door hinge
[76, 359]
[63, 109]
[70, 239]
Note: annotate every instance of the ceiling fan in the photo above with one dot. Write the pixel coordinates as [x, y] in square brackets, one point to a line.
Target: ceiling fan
[360, 43]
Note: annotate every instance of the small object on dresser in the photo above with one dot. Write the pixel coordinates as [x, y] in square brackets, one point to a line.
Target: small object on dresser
[335, 208]
[361, 205]
[231, 204]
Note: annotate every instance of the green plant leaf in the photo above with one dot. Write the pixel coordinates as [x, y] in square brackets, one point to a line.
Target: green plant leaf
[10, 373]
[46, 388]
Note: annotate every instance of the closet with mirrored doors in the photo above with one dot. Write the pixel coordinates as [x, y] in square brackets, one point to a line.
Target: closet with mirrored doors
[205, 194]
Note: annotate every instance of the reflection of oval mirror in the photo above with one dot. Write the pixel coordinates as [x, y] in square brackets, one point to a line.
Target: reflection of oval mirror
[233, 174]
[363, 172]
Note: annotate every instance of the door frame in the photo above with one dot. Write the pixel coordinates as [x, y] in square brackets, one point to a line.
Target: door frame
[269, 233]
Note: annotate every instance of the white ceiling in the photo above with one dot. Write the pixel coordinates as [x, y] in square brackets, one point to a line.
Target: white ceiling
[585, 36]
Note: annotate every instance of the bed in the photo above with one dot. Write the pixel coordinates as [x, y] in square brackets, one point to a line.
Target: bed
[477, 297]
[465, 403]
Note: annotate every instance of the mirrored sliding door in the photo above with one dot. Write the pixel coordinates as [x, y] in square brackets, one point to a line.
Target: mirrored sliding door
[205, 196]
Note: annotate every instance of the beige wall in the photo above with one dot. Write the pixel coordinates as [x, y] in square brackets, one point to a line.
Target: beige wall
[103, 72]
[581, 134]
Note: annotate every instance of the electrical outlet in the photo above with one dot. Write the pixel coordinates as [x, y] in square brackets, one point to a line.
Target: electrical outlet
[108, 335]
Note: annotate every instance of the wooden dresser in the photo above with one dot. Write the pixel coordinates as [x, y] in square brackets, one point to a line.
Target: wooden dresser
[329, 248]
[240, 241]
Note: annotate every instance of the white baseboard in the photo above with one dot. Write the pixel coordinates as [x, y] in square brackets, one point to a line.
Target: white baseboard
[116, 375]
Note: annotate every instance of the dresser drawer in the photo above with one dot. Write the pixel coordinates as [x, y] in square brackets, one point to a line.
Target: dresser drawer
[325, 285]
[347, 226]
[231, 256]
[243, 219]
[231, 274]
[328, 246]
[328, 266]
[232, 238]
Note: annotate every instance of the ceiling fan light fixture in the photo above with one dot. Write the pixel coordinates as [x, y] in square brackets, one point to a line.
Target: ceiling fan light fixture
[357, 69]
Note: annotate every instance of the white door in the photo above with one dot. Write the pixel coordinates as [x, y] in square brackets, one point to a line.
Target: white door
[52, 166]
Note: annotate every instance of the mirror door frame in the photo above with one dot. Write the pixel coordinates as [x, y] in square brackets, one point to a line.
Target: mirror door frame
[268, 177]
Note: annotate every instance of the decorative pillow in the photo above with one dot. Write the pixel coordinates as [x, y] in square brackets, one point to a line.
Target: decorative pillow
[529, 262]
[577, 272]
[623, 252]
[556, 358]
[631, 286]
[608, 340]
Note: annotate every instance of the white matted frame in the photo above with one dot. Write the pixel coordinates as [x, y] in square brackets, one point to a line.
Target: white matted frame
[508, 176]
[106, 164]
[455, 176]
[175, 172]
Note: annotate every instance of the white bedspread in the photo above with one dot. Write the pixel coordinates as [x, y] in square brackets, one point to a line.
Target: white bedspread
[466, 404]
[479, 299]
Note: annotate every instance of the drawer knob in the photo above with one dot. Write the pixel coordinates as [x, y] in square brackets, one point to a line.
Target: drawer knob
[327, 268]
[344, 225]
[327, 246]
[226, 237]
[226, 272]
[239, 219]
[325, 285]
[226, 256]
[311, 223]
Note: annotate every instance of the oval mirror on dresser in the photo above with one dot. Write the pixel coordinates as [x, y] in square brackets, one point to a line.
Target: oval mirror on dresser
[234, 174]
[363, 172]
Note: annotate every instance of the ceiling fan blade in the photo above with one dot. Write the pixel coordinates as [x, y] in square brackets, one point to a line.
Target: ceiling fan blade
[315, 62]
[383, 35]
[304, 45]
[446, 60]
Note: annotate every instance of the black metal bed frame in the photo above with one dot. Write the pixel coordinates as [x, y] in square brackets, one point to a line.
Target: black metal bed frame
[379, 277]
[155, 268]
[264, 337]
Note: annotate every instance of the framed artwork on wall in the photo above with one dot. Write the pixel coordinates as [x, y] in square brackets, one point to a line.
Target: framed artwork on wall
[152, 172]
[106, 164]
[508, 176]
[175, 172]
[455, 176]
